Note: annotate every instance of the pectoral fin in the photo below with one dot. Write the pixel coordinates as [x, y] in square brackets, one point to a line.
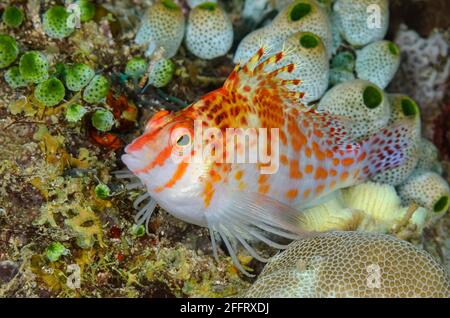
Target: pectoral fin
[248, 216]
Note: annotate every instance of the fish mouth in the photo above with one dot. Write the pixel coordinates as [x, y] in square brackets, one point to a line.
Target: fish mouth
[132, 161]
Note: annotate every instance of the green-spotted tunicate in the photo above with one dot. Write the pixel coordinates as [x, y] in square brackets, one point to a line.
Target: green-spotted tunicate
[8, 50]
[14, 78]
[57, 22]
[78, 76]
[96, 90]
[102, 119]
[75, 113]
[33, 66]
[50, 92]
[136, 68]
[299, 16]
[161, 72]
[87, 10]
[13, 16]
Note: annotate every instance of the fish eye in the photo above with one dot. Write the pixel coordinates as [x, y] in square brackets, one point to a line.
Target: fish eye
[184, 140]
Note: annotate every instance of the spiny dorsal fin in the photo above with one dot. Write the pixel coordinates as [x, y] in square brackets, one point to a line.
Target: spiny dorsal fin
[261, 87]
[250, 77]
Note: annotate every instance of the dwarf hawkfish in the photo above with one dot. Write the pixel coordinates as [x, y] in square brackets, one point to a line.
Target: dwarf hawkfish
[243, 202]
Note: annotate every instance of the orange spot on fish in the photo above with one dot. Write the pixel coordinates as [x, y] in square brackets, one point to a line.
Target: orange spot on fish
[215, 177]
[283, 138]
[308, 152]
[309, 169]
[284, 160]
[344, 176]
[264, 189]
[263, 178]
[320, 189]
[291, 194]
[321, 173]
[318, 133]
[238, 175]
[306, 193]
[362, 157]
[179, 173]
[332, 184]
[159, 160]
[294, 172]
[317, 152]
[208, 192]
[347, 161]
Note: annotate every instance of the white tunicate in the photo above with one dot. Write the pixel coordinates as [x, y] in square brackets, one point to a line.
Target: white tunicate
[362, 21]
[162, 27]
[209, 31]
[378, 62]
[362, 102]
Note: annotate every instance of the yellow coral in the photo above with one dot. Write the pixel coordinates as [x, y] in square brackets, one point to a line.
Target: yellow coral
[371, 207]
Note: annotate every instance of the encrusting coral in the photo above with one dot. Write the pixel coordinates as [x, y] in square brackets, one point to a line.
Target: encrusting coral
[425, 67]
[352, 264]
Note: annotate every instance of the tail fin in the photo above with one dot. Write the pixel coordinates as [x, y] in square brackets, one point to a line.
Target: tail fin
[387, 148]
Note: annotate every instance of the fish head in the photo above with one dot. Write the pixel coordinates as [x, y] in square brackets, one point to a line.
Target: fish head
[162, 159]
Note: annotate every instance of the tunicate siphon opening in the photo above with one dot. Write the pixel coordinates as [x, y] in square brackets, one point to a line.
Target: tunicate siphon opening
[300, 10]
[309, 41]
[372, 97]
[409, 107]
[393, 48]
[210, 6]
[169, 4]
[29, 61]
[441, 204]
